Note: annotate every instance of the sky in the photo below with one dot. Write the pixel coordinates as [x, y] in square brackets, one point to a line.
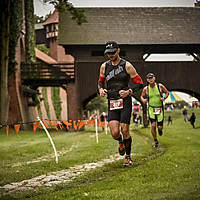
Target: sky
[42, 9]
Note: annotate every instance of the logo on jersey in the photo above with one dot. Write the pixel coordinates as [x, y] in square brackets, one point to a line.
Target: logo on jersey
[114, 72]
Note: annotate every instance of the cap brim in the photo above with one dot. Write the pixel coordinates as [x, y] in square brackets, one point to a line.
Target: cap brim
[150, 76]
[110, 50]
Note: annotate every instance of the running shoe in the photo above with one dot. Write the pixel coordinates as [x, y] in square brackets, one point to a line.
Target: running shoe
[160, 132]
[156, 144]
[128, 161]
[121, 148]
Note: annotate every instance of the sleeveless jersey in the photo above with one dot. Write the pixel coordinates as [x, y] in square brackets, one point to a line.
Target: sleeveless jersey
[154, 96]
[116, 78]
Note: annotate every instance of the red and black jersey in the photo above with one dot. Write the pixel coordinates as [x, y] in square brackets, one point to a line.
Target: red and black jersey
[116, 78]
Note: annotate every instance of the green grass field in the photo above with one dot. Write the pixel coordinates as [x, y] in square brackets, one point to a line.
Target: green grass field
[170, 172]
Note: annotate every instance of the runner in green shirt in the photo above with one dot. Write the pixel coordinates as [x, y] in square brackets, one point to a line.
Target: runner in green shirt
[153, 95]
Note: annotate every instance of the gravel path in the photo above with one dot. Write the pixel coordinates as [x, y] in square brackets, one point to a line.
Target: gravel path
[58, 177]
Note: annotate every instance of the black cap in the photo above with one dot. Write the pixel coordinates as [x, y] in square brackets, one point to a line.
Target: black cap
[150, 75]
[111, 47]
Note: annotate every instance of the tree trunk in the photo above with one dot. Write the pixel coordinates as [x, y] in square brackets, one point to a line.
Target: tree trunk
[145, 121]
[4, 49]
[30, 31]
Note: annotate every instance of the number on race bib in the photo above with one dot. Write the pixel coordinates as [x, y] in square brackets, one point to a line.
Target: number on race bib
[116, 104]
[156, 111]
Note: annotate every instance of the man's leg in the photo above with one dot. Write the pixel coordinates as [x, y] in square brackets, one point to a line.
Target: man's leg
[185, 118]
[115, 132]
[192, 124]
[127, 143]
[160, 128]
[153, 131]
[127, 137]
[160, 120]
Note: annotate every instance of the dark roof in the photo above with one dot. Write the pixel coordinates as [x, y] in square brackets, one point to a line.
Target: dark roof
[54, 18]
[160, 25]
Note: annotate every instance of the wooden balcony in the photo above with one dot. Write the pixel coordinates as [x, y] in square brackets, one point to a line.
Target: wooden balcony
[35, 75]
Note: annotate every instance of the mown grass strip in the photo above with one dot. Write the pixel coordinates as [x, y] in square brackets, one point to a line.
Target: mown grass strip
[170, 172]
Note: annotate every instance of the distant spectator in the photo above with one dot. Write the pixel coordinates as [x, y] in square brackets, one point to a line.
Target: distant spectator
[169, 120]
[139, 119]
[185, 114]
[192, 119]
[134, 117]
[103, 119]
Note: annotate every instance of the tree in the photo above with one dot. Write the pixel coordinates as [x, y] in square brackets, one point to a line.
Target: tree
[197, 3]
[4, 49]
[41, 19]
[65, 6]
[43, 48]
[8, 46]
[97, 103]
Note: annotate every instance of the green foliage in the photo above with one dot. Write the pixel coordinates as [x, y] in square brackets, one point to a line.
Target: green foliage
[78, 14]
[15, 30]
[43, 48]
[36, 99]
[197, 4]
[30, 31]
[39, 111]
[97, 103]
[41, 19]
[55, 95]
[46, 103]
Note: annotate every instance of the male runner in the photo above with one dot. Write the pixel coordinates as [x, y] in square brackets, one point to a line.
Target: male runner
[117, 72]
[153, 94]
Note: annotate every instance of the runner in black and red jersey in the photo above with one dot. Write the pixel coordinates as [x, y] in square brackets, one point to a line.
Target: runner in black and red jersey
[117, 72]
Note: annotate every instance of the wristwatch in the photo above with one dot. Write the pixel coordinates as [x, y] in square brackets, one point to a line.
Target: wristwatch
[129, 92]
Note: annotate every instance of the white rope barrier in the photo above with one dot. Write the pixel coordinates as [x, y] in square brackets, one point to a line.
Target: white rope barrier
[106, 128]
[54, 148]
[96, 130]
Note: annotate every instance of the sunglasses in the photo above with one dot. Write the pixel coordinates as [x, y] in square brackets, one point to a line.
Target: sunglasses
[150, 77]
[112, 53]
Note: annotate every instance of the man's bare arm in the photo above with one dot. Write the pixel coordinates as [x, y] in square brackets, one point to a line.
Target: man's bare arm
[143, 96]
[101, 81]
[164, 90]
[135, 78]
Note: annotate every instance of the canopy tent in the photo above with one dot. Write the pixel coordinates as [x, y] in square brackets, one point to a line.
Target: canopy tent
[172, 98]
[187, 98]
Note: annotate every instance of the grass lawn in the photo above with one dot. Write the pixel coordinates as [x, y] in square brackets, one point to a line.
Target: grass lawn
[170, 172]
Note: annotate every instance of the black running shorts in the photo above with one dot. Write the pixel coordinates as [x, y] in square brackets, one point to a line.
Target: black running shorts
[122, 115]
[155, 120]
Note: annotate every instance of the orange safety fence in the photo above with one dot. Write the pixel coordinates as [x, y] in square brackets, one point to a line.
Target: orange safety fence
[57, 124]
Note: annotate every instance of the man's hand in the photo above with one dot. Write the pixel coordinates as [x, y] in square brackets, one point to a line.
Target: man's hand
[102, 92]
[123, 93]
[162, 99]
[144, 101]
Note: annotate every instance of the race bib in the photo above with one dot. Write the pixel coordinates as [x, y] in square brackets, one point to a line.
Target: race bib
[156, 111]
[116, 104]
